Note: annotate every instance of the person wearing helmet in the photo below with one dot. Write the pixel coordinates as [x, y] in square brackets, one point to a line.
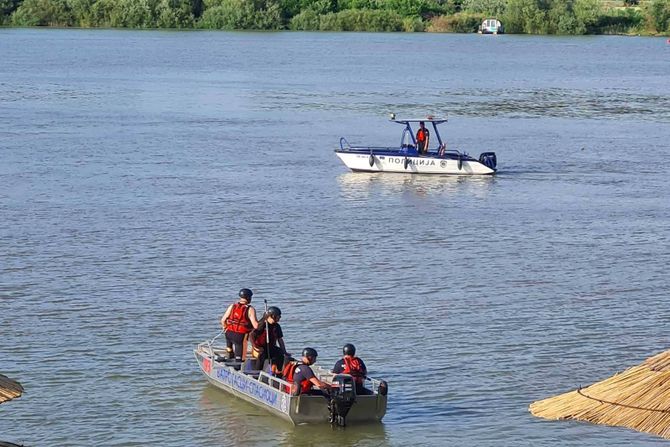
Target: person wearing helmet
[301, 377]
[352, 365]
[268, 337]
[238, 320]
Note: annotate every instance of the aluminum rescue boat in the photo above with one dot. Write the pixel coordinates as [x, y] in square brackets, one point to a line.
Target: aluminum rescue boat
[261, 388]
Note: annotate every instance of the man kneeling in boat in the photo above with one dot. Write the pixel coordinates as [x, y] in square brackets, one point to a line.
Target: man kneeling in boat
[267, 336]
[301, 377]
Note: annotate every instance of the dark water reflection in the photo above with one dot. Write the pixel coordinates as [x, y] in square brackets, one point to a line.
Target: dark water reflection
[147, 176]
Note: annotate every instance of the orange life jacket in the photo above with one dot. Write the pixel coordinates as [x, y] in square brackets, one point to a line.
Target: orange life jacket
[354, 367]
[289, 371]
[238, 321]
[421, 135]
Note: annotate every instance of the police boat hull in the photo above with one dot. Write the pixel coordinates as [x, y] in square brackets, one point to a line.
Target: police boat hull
[266, 391]
[379, 160]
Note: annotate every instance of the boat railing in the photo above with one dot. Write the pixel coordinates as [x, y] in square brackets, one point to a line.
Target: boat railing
[373, 384]
[327, 376]
[210, 344]
[282, 385]
[346, 146]
[369, 149]
[274, 382]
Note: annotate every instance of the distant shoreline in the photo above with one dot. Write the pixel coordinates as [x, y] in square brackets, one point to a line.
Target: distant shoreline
[527, 17]
[197, 29]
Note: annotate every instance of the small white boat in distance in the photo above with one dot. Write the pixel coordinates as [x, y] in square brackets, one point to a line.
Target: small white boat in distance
[266, 391]
[406, 157]
[491, 26]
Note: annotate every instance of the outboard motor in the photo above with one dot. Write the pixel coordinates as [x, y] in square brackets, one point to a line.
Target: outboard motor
[488, 159]
[342, 397]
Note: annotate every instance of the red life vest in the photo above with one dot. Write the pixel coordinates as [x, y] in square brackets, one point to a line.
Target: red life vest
[238, 321]
[289, 371]
[421, 135]
[354, 367]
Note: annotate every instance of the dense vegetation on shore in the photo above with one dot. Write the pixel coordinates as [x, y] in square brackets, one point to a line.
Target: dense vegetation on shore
[518, 16]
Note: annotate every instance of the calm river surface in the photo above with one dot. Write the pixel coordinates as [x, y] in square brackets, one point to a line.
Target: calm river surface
[148, 176]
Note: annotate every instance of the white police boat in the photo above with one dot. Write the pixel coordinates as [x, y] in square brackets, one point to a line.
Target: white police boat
[406, 158]
[261, 388]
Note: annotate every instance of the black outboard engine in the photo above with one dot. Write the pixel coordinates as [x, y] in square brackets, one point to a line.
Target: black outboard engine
[488, 159]
[342, 397]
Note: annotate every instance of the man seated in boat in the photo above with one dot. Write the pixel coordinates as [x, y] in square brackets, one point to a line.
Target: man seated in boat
[422, 139]
[302, 378]
[269, 334]
[354, 366]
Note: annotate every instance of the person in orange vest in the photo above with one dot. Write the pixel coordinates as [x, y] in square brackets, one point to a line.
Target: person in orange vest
[354, 366]
[238, 320]
[301, 377]
[422, 138]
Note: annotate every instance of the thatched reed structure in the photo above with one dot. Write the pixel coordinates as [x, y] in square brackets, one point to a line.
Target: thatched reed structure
[638, 398]
[9, 389]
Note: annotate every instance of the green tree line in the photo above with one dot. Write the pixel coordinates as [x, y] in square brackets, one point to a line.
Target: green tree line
[518, 16]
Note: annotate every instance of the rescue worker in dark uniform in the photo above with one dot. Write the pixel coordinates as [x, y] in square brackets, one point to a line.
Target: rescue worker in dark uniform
[301, 377]
[237, 322]
[259, 341]
[354, 366]
[422, 138]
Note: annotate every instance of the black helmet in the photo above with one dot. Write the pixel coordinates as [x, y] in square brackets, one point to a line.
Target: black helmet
[309, 353]
[274, 311]
[349, 349]
[246, 294]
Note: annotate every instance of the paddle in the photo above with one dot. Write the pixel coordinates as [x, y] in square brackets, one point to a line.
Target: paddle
[267, 336]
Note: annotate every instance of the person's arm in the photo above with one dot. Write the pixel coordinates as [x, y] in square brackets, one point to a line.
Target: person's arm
[252, 317]
[315, 380]
[280, 342]
[304, 372]
[318, 383]
[427, 146]
[225, 317]
[253, 335]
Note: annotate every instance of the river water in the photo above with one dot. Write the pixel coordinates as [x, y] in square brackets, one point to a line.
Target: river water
[148, 176]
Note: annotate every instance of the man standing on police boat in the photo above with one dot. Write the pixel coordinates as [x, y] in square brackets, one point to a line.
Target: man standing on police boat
[422, 139]
[238, 320]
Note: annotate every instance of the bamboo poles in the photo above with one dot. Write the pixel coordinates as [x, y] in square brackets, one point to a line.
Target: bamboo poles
[9, 389]
[638, 398]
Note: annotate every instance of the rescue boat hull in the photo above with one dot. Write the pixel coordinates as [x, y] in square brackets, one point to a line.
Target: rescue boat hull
[265, 391]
